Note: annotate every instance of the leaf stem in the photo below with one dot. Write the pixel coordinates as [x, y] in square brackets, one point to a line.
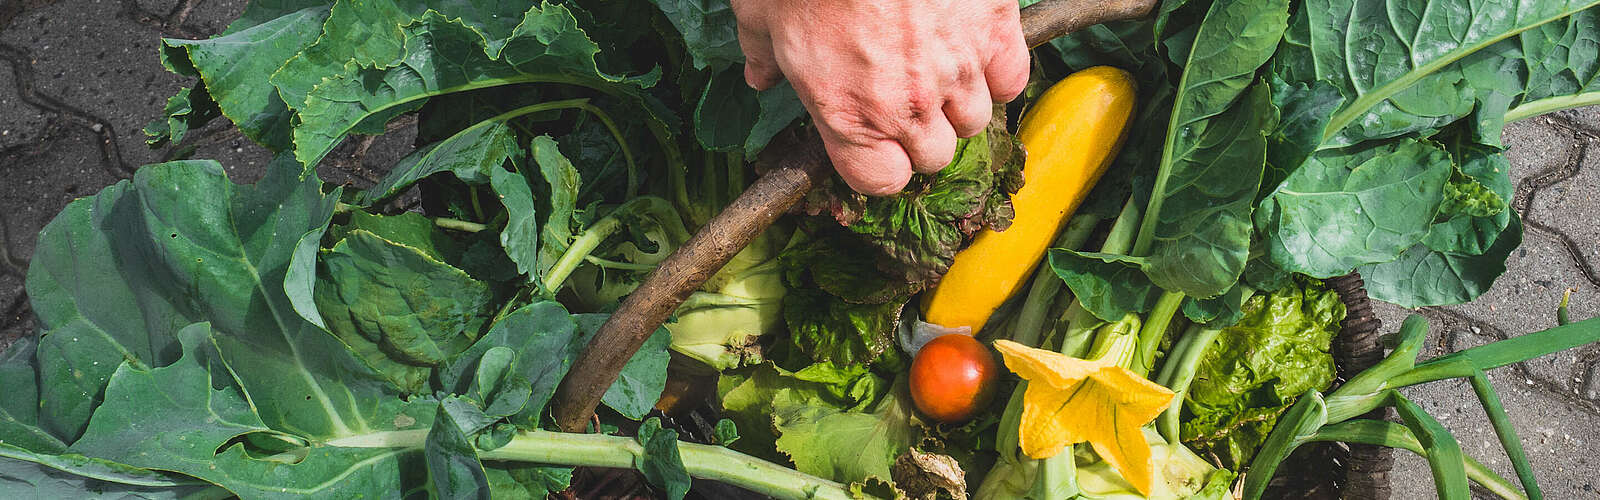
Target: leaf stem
[1155, 328]
[1394, 435]
[1531, 109]
[1496, 411]
[1185, 363]
[591, 238]
[714, 463]
[458, 225]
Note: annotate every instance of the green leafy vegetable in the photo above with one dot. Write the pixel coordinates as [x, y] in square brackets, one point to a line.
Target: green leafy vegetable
[1256, 368]
[1196, 229]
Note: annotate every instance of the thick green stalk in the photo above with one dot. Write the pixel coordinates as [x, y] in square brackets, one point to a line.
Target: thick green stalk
[1077, 337]
[1185, 363]
[458, 225]
[1155, 328]
[591, 238]
[1030, 321]
[715, 463]
[1531, 109]
[1393, 435]
[1123, 231]
[1506, 432]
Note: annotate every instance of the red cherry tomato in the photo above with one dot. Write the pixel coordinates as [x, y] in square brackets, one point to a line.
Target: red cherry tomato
[952, 377]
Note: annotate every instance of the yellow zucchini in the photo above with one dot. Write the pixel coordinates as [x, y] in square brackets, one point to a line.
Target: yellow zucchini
[1071, 134]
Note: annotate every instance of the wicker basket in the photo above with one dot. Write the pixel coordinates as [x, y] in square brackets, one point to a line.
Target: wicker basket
[1316, 471]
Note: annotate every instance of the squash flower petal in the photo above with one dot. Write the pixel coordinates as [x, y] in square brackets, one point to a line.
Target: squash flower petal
[1071, 400]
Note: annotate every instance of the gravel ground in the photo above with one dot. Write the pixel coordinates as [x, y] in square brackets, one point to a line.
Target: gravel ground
[79, 79]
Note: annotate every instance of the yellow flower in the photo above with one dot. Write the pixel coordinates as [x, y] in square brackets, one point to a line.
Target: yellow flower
[1071, 400]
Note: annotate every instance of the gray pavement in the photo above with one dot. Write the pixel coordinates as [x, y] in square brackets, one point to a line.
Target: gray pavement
[79, 79]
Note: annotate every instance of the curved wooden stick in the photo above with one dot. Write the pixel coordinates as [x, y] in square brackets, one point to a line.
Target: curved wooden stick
[801, 164]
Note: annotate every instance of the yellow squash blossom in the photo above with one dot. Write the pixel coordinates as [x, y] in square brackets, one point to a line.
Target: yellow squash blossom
[1071, 400]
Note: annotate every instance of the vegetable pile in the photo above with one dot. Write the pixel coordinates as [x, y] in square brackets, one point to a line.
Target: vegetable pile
[1143, 248]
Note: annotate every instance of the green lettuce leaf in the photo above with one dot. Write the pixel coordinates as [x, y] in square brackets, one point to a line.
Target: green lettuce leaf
[918, 232]
[1255, 369]
[845, 446]
[747, 397]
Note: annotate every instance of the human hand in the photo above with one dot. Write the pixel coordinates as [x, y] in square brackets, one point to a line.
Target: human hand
[890, 84]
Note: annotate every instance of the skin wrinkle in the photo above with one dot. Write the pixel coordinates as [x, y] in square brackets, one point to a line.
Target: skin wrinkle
[891, 85]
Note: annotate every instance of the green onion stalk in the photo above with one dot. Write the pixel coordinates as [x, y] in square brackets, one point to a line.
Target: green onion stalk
[1333, 417]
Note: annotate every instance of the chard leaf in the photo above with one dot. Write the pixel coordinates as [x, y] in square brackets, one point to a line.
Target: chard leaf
[398, 308]
[443, 55]
[498, 386]
[1404, 78]
[472, 155]
[189, 109]
[1202, 239]
[1216, 312]
[1212, 160]
[543, 335]
[660, 463]
[1474, 206]
[410, 229]
[733, 117]
[27, 475]
[848, 447]
[19, 405]
[641, 381]
[561, 180]
[58, 466]
[1109, 286]
[709, 31]
[233, 67]
[1344, 209]
[372, 35]
[520, 238]
[129, 429]
[453, 466]
[121, 272]
[1422, 276]
[1304, 111]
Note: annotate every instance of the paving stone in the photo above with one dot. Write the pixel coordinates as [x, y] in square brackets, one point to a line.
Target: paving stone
[19, 122]
[65, 169]
[1559, 205]
[117, 77]
[1588, 117]
[1535, 146]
